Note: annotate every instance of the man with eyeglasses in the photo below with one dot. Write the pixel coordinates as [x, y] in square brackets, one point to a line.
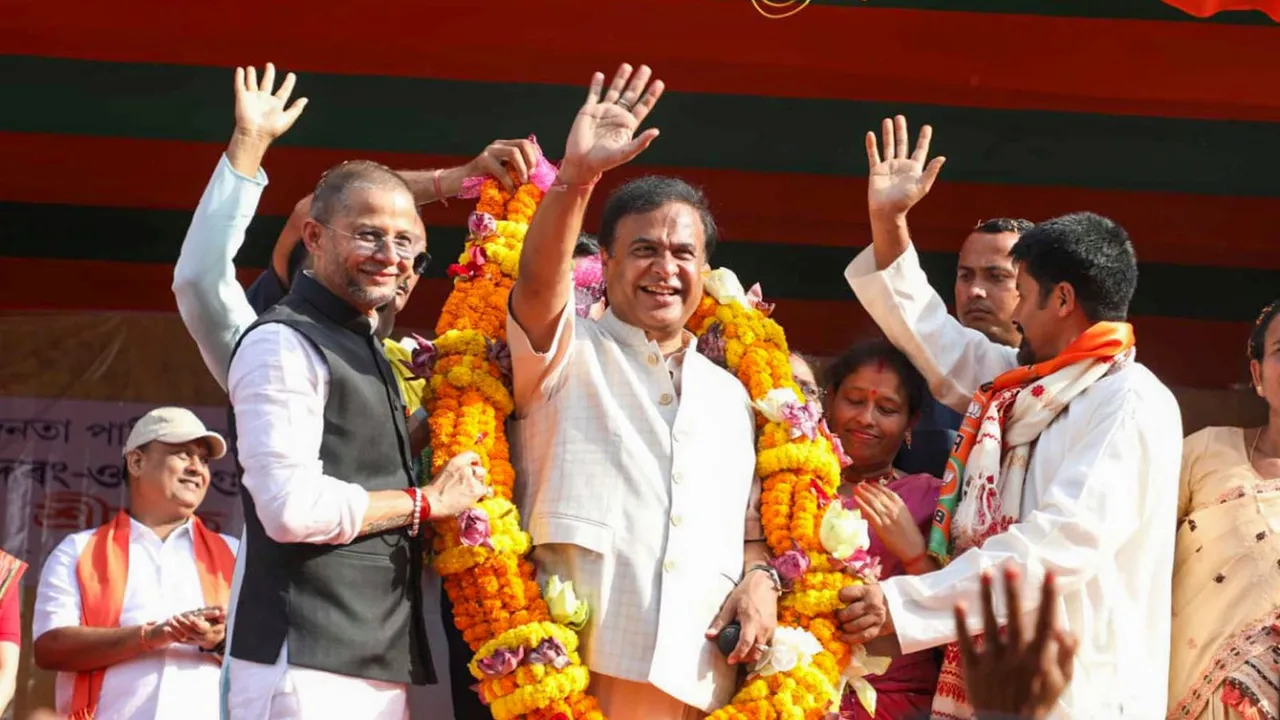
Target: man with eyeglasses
[218, 313]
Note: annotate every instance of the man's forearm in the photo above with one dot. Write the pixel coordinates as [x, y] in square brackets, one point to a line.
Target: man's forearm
[753, 554]
[388, 510]
[422, 183]
[246, 151]
[545, 282]
[81, 649]
[890, 237]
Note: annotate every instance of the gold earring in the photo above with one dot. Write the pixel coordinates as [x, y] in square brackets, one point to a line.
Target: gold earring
[908, 438]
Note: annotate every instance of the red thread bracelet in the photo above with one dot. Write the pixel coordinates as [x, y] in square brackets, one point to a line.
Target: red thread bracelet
[909, 563]
[558, 185]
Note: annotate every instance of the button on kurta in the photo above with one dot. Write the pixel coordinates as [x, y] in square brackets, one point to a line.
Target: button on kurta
[664, 399]
[652, 359]
[669, 565]
[676, 520]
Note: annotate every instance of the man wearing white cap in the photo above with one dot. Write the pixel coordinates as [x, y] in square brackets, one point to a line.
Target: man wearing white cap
[132, 614]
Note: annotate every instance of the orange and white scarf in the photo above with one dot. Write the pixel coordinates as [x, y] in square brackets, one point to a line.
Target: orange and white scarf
[989, 465]
[103, 573]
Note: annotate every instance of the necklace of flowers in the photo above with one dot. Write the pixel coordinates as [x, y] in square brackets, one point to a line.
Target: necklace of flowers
[524, 638]
[819, 545]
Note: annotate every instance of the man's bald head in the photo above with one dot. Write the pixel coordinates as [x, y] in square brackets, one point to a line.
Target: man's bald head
[331, 195]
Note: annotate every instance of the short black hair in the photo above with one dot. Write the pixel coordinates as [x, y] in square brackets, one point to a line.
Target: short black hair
[1091, 253]
[995, 226]
[648, 193]
[587, 246]
[879, 350]
[331, 192]
[1258, 336]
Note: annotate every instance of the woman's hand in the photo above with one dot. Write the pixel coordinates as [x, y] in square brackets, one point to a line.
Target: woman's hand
[889, 517]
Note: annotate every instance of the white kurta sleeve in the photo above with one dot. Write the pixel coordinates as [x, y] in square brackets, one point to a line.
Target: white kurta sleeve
[211, 301]
[278, 384]
[1093, 504]
[954, 359]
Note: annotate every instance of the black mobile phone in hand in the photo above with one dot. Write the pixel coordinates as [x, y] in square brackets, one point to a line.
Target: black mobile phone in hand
[727, 640]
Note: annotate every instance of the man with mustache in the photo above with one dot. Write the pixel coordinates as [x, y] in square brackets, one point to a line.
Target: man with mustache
[1067, 463]
[217, 309]
[132, 615]
[636, 453]
[985, 295]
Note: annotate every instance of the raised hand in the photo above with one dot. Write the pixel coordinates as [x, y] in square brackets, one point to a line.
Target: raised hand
[1012, 675]
[603, 133]
[260, 112]
[899, 181]
[458, 486]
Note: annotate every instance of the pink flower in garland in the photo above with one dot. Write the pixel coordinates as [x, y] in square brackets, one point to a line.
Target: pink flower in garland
[550, 652]
[423, 357]
[836, 446]
[588, 284]
[712, 344]
[481, 224]
[476, 260]
[803, 419]
[473, 528]
[542, 174]
[791, 566]
[502, 662]
[864, 565]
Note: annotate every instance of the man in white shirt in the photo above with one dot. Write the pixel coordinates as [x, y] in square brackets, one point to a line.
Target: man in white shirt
[131, 614]
[1081, 469]
[217, 310]
[636, 453]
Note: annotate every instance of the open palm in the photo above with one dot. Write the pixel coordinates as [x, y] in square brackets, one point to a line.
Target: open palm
[261, 112]
[899, 181]
[603, 133]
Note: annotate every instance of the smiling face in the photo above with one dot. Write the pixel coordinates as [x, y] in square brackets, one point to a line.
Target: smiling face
[870, 413]
[653, 269]
[365, 275]
[168, 480]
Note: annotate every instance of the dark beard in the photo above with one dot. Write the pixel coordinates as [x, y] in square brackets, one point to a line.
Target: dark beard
[1026, 354]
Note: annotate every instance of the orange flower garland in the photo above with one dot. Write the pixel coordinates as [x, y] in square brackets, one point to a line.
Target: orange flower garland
[797, 473]
[527, 664]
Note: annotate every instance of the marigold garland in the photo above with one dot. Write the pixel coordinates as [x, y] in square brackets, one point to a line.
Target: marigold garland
[797, 473]
[496, 600]
[498, 605]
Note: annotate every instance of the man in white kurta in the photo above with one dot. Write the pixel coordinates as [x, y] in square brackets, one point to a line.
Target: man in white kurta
[1098, 504]
[635, 453]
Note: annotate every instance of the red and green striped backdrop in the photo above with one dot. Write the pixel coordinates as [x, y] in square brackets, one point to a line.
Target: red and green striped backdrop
[112, 116]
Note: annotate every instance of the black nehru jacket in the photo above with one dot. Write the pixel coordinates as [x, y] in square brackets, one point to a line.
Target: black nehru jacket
[353, 609]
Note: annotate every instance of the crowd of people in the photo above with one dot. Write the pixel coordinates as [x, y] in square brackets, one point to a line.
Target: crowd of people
[1019, 438]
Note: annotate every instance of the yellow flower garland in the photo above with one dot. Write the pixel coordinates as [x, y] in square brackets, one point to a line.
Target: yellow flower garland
[498, 606]
[792, 471]
[496, 600]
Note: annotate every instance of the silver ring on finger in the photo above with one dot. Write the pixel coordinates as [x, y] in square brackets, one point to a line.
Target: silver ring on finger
[624, 104]
[488, 491]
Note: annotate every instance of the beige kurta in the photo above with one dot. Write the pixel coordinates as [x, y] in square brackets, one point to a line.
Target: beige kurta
[1226, 577]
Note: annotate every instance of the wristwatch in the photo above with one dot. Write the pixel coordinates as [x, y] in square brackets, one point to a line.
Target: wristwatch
[771, 570]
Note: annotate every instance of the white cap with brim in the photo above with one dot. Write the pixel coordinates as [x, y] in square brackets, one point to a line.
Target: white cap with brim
[175, 426]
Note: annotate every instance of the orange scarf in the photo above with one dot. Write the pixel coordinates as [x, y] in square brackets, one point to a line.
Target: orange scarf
[994, 483]
[1102, 340]
[103, 572]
